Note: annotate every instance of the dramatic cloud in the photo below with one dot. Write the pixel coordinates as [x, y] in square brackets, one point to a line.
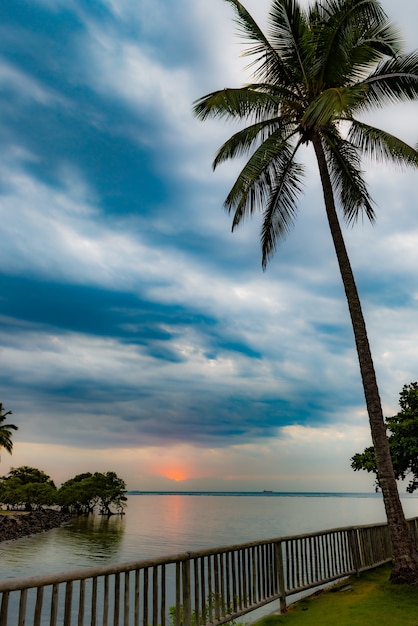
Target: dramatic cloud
[137, 333]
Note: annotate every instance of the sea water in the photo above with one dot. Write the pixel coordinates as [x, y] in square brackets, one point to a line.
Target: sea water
[161, 524]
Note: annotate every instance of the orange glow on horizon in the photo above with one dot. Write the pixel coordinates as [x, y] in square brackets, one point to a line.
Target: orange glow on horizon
[176, 474]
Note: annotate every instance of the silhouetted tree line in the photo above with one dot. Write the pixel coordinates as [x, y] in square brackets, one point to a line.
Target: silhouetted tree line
[30, 489]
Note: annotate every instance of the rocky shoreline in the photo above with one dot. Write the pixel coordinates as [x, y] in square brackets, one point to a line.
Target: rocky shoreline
[18, 525]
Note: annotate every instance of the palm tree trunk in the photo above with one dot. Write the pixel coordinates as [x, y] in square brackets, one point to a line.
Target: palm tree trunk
[405, 555]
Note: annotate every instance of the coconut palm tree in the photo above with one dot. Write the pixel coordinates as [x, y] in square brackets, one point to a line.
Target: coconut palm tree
[6, 431]
[317, 69]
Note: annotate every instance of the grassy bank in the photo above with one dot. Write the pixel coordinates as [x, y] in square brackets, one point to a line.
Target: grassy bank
[366, 601]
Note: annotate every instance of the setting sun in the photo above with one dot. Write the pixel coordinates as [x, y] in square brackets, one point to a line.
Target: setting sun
[175, 474]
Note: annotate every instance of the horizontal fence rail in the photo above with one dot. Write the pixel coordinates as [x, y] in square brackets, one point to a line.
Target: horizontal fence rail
[200, 588]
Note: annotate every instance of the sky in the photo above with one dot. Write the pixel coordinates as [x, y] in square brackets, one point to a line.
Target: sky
[137, 333]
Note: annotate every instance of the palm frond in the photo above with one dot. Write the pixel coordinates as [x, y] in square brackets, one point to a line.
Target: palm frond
[6, 443]
[340, 12]
[346, 176]
[248, 138]
[248, 27]
[332, 104]
[356, 36]
[370, 47]
[281, 92]
[290, 34]
[383, 39]
[252, 187]
[380, 145]
[265, 55]
[241, 103]
[6, 430]
[394, 80]
[282, 206]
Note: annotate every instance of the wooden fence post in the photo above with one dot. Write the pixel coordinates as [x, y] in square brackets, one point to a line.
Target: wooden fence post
[355, 549]
[413, 528]
[4, 608]
[280, 577]
[186, 593]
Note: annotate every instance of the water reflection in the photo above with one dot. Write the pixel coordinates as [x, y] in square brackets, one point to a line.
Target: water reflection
[83, 542]
[95, 537]
[37, 546]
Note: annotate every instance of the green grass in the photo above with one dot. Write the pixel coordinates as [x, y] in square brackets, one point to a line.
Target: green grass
[371, 601]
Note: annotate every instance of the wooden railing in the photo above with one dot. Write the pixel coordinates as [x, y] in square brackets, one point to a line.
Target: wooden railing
[202, 588]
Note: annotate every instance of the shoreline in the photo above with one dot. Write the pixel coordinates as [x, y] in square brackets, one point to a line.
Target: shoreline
[19, 524]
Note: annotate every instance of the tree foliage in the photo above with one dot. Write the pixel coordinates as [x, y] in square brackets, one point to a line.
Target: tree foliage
[30, 488]
[403, 441]
[26, 475]
[86, 492]
[27, 488]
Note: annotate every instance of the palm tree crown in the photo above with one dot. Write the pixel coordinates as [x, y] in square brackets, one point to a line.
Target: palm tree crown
[319, 68]
[315, 73]
[6, 431]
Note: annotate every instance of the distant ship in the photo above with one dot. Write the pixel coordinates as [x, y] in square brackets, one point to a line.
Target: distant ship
[267, 491]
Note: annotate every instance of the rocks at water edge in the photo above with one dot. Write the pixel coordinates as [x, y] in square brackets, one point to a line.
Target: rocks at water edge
[18, 525]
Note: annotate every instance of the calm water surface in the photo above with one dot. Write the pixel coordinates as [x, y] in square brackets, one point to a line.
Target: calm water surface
[158, 525]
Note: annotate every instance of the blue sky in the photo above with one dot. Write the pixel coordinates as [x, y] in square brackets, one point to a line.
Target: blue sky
[136, 332]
